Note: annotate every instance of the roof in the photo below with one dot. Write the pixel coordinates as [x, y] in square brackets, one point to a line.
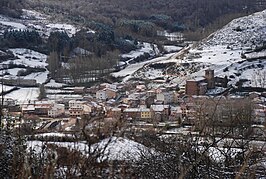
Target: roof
[197, 79]
[144, 110]
[131, 110]
[159, 108]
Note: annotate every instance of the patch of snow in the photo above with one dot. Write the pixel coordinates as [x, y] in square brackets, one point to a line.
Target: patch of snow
[69, 29]
[28, 57]
[24, 95]
[53, 134]
[151, 49]
[32, 14]
[14, 25]
[115, 148]
[52, 83]
[172, 48]
[40, 77]
[129, 70]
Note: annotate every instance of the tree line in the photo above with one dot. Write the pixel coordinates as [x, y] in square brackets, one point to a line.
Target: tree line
[173, 15]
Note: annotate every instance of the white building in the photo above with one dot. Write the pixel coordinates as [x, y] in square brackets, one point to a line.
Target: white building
[74, 103]
[56, 110]
[76, 108]
[166, 97]
[106, 93]
[101, 94]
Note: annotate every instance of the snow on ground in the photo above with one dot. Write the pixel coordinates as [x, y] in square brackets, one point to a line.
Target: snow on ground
[52, 83]
[218, 55]
[24, 95]
[248, 31]
[31, 14]
[11, 23]
[12, 71]
[69, 29]
[129, 70]
[219, 154]
[255, 55]
[151, 49]
[172, 48]
[118, 148]
[54, 134]
[223, 51]
[40, 77]
[33, 20]
[28, 57]
[15, 25]
[6, 88]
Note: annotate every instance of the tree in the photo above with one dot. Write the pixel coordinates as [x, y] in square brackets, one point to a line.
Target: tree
[53, 63]
[42, 93]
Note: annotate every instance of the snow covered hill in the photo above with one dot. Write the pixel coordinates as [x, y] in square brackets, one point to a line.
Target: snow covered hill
[249, 32]
[230, 52]
[33, 20]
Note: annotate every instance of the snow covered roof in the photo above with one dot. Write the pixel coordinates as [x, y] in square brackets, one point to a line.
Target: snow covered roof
[159, 108]
[197, 79]
[131, 110]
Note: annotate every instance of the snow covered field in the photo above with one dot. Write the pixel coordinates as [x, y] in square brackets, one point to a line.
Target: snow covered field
[24, 95]
[33, 20]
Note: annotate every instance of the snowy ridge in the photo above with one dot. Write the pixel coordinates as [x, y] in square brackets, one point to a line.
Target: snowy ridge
[248, 31]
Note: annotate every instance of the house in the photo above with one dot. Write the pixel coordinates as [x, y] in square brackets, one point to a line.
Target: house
[76, 108]
[106, 93]
[182, 89]
[136, 95]
[74, 103]
[150, 93]
[160, 112]
[200, 85]
[175, 113]
[114, 113]
[56, 110]
[145, 113]
[133, 113]
[42, 107]
[140, 87]
[76, 111]
[87, 109]
[108, 85]
[79, 90]
[166, 97]
[196, 86]
[101, 94]
[260, 116]
[28, 109]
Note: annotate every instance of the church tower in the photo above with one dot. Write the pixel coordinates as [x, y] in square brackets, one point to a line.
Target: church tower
[209, 75]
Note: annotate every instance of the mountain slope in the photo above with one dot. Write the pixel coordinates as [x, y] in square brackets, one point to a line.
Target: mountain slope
[249, 31]
[227, 51]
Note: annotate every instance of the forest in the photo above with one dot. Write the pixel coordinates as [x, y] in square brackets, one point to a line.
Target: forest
[134, 16]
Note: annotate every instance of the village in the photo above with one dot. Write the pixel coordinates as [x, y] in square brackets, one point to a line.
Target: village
[168, 110]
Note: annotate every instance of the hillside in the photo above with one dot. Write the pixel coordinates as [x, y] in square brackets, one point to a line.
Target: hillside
[237, 54]
[126, 15]
[243, 32]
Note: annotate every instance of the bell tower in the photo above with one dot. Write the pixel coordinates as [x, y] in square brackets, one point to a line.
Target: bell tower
[209, 75]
